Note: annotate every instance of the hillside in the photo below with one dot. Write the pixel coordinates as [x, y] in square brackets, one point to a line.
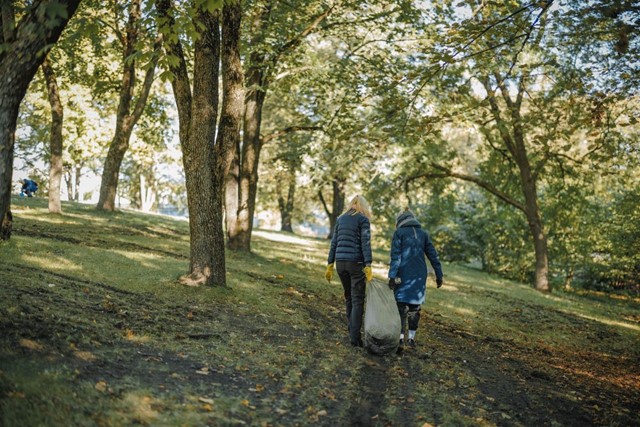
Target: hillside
[97, 331]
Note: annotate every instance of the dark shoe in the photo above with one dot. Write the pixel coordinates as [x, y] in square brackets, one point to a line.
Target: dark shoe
[400, 347]
[412, 343]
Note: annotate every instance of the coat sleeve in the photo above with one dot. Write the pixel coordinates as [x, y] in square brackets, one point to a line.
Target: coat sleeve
[432, 256]
[365, 240]
[334, 242]
[396, 256]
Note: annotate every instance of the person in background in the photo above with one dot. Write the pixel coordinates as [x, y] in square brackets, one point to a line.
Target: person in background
[350, 251]
[408, 272]
[29, 187]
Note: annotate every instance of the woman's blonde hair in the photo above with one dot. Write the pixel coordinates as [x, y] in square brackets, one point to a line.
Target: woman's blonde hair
[359, 204]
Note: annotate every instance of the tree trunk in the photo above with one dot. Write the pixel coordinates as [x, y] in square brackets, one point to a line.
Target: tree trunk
[125, 118]
[24, 53]
[206, 157]
[231, 195]
[534, 218]
[240, 235]
[78, 175]
[55, 169]
[515, 144]
[228, 138]
[337, 204]
[68, 179]
[285, 203]
[147, 194]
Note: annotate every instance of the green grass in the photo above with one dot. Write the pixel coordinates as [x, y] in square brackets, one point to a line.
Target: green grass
[97, 330]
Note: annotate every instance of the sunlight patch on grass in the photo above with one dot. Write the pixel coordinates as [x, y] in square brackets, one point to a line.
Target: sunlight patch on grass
[145, 259]
[87, 356]
[52, 262]
[139, 407]
[286, 238]
[609, 322]
[461, 310]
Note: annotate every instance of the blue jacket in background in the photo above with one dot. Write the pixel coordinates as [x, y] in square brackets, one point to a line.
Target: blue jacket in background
[29, 185]
[351, 239]
[409, 246]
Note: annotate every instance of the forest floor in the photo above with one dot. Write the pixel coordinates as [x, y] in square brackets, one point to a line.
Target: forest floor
[97, 330]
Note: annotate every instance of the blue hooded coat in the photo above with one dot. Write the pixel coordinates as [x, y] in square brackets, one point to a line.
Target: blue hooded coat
[409, 246]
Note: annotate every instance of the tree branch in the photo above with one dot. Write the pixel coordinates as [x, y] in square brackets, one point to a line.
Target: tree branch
[290, 129]
[448, 173]
[294, 42]
[148, 81]
[324, 204]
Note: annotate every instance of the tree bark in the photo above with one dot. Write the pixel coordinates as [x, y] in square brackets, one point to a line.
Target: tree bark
[26, 48]
[285, 202]
[232, 197]
[55, 144]
[125, 118]
[258, 79]
[240, 235]
[206, 157]
[337, 204]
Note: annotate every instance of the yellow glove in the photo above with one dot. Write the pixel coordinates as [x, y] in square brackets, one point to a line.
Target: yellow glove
[368, 273]
[329, 273]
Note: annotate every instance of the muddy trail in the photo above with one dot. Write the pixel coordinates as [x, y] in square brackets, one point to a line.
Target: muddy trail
[224, 364]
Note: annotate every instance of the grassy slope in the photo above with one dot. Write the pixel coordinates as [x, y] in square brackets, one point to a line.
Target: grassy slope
[96, 331]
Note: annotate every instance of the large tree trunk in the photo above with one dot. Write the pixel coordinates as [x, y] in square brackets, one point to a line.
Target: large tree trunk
[240, 235]
[55, 168]
[125, 118]
[25, 50]
[206, 157]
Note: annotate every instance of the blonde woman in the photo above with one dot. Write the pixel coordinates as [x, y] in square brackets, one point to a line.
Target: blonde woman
[351, 252]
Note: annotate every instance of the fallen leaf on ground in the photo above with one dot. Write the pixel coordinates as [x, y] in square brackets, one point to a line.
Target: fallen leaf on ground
[30, 344]
[18, 394]
[206, 400]
[101, 386]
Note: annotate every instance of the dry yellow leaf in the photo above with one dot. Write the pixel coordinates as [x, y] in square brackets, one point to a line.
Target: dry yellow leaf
[101, 386]
[30, 344]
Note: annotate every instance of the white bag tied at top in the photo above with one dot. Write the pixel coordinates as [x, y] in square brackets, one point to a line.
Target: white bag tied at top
[381, 319]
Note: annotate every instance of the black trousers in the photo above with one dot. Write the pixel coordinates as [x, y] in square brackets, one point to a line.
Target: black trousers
[354, 283]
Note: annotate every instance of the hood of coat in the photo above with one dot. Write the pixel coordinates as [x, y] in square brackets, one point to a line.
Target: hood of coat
[407, 219]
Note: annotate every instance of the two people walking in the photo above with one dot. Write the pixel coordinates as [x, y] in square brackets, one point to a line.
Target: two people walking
[350, 253]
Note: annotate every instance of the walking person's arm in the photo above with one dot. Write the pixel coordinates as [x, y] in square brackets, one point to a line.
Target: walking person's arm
[432, 256]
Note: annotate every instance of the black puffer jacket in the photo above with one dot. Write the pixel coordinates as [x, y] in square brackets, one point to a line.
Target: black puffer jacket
[351, 239]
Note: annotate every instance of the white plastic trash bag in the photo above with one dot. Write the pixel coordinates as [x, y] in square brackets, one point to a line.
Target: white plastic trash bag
[381, 319]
